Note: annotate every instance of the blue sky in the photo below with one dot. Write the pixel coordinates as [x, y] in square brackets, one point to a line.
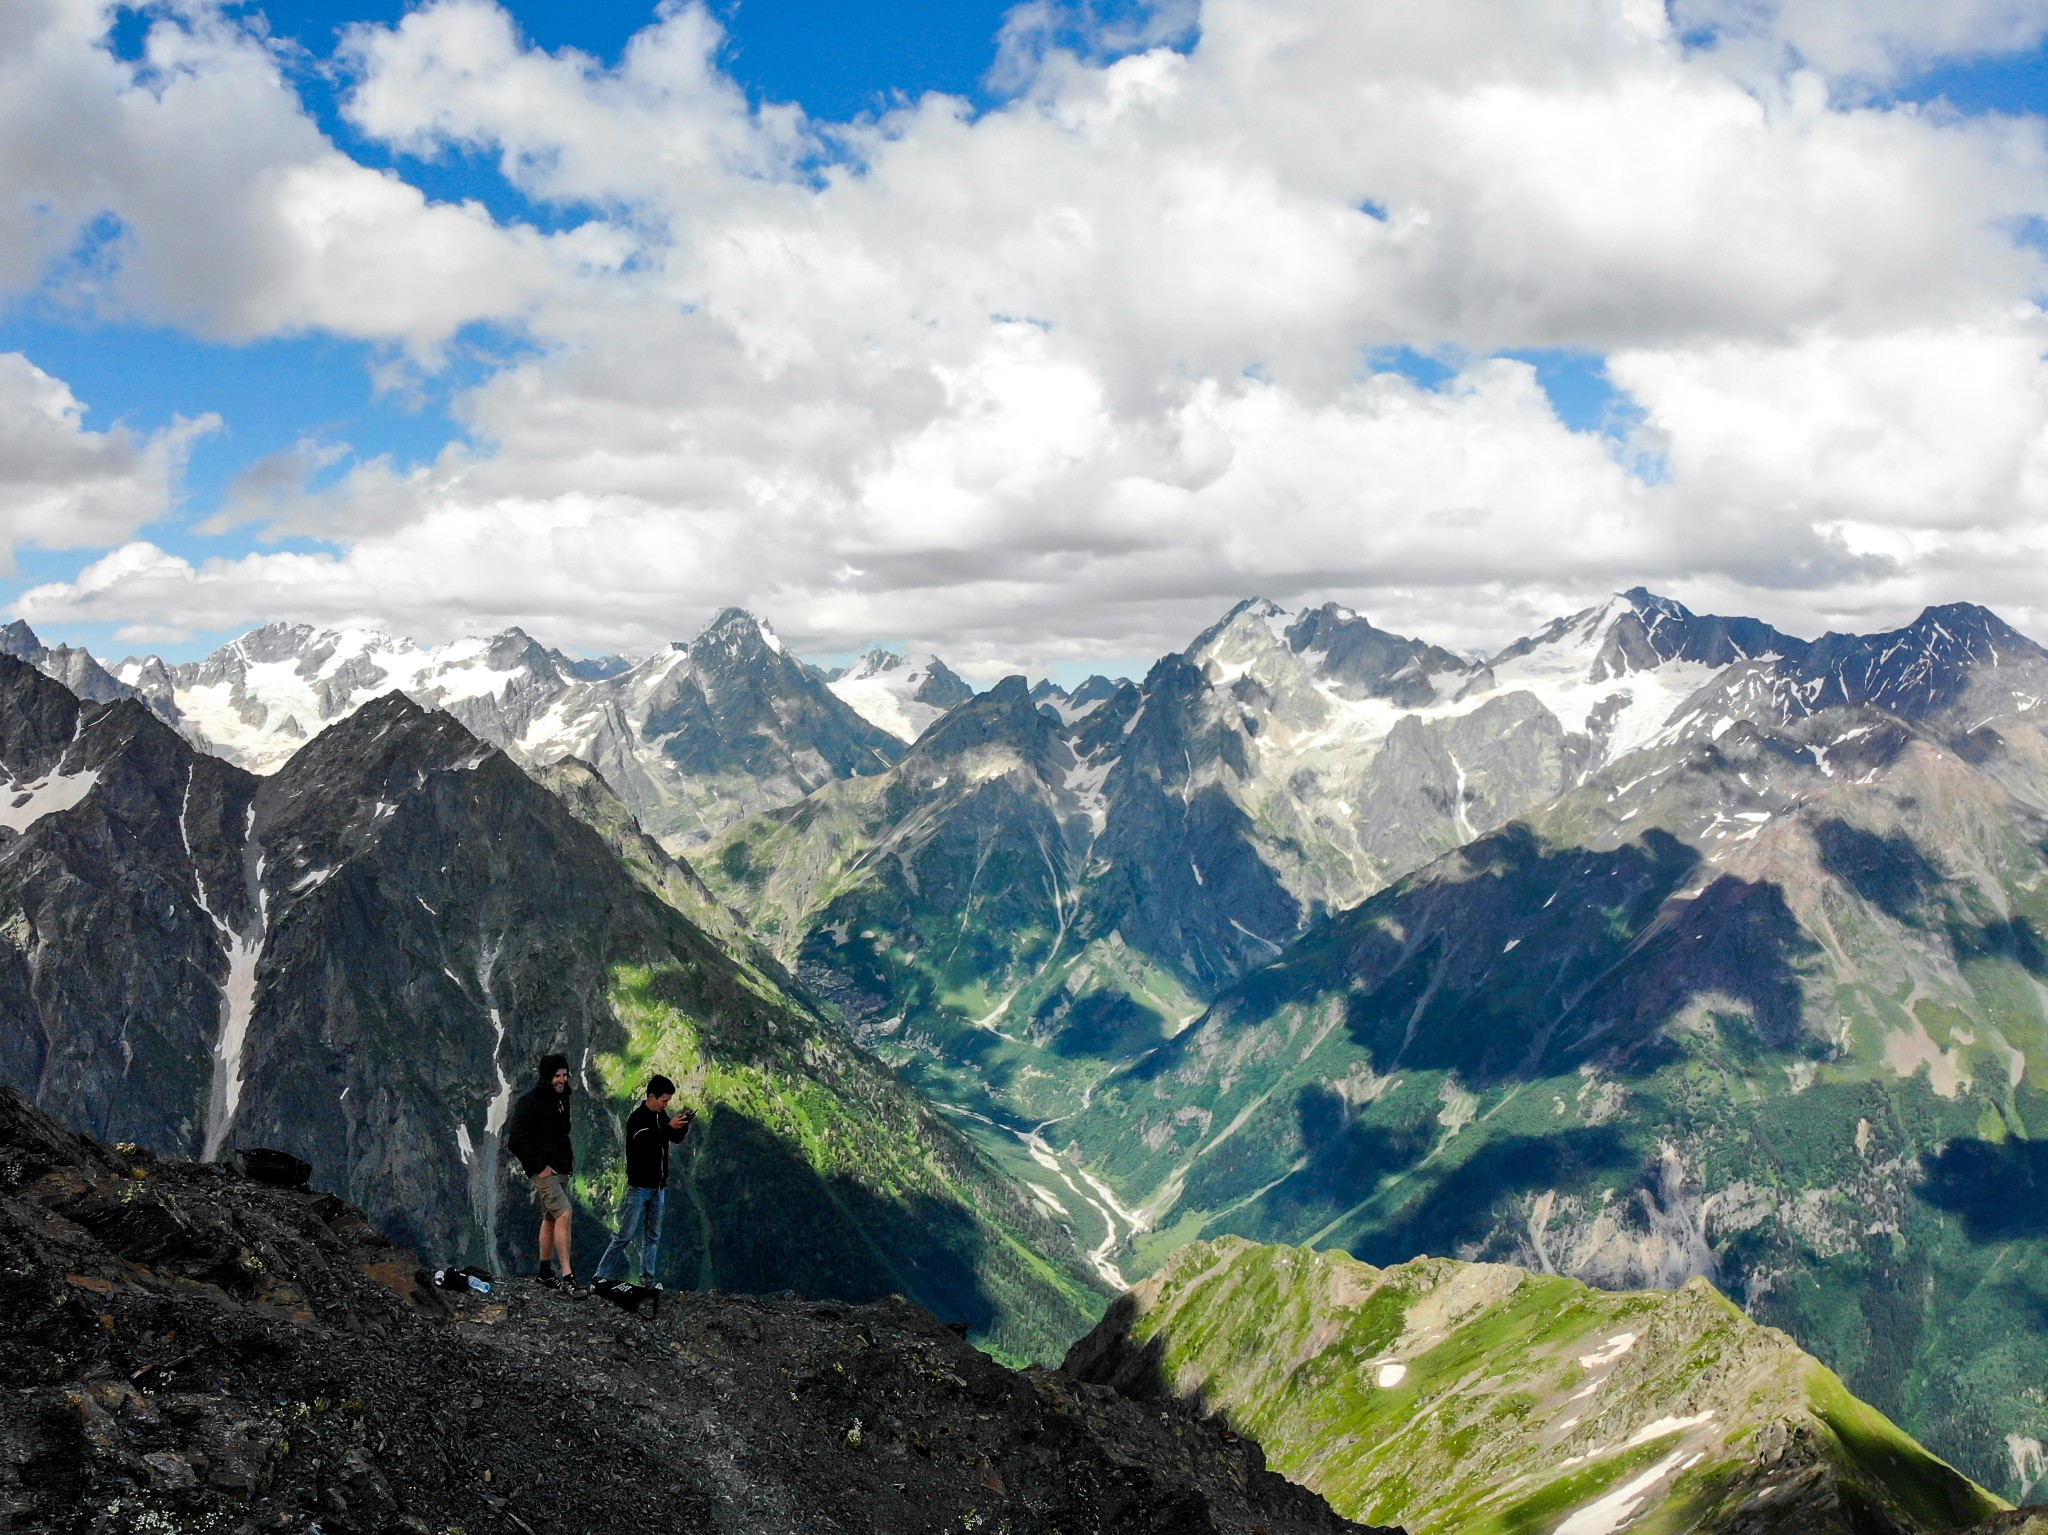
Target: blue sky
[1717, 331]
[838, 61]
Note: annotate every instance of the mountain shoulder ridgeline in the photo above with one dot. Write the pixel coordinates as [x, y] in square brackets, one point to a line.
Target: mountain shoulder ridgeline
[1479, 1398]
[76, 669]
[191, 1350]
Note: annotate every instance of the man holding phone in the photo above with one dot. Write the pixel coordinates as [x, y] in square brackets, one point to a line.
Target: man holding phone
[650, 1130]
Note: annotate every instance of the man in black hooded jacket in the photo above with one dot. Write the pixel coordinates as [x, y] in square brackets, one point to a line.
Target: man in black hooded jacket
[539, 1136]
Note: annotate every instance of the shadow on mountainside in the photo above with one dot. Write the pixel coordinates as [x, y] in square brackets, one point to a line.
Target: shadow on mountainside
[2009, 938]
[2029, 1297]
[1893, 875]
[1185, 883]
[1890, 872]
[1998, 1192]
[1419, 1202]
[1508, 962]
[747, 1213]
[1520, 959]
[1102, 1025]
[1446, 1209]
[1882, 1493]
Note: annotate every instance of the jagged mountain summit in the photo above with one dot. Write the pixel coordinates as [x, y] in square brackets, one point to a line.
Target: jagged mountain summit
[76, 669]
[359, 958]
[719, 726]
[901, 694]
[258, 699]
[1454, 1397]
[1069, 707]
[190, 1350]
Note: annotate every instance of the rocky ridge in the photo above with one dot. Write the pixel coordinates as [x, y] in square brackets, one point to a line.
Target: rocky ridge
[76, 669]
[191, 1350]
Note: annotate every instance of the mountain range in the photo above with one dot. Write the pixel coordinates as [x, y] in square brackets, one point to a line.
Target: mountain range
[706, 730]
[1653, 947]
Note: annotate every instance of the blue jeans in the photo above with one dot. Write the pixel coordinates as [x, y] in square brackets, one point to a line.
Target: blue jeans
[640, 1213]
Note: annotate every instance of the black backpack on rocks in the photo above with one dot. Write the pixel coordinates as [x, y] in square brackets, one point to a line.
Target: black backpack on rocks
[626, 1295]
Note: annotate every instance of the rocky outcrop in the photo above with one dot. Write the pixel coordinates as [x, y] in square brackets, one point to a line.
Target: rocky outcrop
[123, 887]
[76, 669]
[190, 1350]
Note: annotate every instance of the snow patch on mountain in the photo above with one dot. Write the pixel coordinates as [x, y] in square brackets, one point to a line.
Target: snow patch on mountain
[903, 695]
[22, 805]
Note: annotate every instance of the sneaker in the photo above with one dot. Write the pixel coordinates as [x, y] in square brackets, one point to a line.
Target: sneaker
[575, 1286]
[545, 1276]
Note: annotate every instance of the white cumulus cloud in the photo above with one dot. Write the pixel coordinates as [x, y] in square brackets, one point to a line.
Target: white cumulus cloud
[191, 186]
[1072, 373]
[63, 486]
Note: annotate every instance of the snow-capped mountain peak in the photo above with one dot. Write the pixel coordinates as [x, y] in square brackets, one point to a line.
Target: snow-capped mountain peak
[1253, 625]
[875, 663]
[903, 695]
[1322, 658]
[1946, 656]
[736, 630]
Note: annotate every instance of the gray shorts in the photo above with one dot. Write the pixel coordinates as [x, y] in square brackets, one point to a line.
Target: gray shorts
[553, 1189]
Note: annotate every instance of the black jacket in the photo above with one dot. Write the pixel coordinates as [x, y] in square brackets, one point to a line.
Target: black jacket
[648, 1138]
[539, 1131]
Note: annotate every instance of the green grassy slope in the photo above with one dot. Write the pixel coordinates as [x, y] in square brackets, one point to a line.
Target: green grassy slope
[1483, 1399]
[812, 1169]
